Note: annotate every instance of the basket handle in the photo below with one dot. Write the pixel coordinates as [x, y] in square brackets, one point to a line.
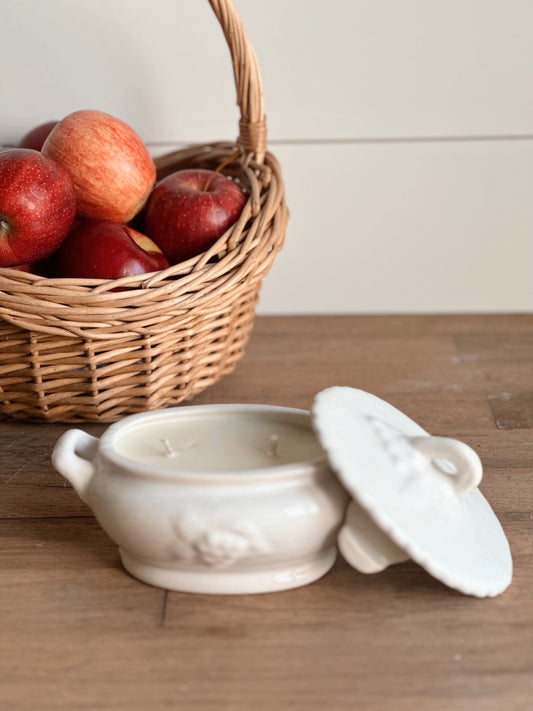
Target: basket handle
[252, 124]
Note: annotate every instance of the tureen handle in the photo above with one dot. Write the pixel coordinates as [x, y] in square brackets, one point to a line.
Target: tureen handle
[73, 458]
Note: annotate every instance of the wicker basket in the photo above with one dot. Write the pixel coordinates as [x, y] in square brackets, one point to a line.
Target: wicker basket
[80, 350]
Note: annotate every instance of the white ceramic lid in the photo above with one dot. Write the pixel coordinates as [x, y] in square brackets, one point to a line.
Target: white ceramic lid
[415, 496]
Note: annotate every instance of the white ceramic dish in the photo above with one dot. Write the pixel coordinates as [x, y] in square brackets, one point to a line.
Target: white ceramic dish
[225, 528]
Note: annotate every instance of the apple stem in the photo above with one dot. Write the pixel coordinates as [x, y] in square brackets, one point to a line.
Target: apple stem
[221, 167]
[4, 226]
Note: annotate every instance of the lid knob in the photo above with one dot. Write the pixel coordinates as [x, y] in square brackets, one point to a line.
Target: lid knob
[364, 545]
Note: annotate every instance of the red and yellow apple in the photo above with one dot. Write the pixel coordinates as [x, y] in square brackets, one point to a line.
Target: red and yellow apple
[110, 166]
[99, 249]
[190, 209]
[37, 206]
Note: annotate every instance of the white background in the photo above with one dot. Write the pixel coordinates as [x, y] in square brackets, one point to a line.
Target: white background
[404, 129]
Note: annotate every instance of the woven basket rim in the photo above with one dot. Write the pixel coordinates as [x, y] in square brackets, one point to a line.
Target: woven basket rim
[94, 307]
[92, 290]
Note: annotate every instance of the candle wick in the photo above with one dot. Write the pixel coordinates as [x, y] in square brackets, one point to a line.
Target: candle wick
[170, 452]
[273, 443]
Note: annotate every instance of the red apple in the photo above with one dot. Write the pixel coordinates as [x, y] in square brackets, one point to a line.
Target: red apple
[36, 137]
[111, 168]
[99, 249]
[189, 210]
[37, 206]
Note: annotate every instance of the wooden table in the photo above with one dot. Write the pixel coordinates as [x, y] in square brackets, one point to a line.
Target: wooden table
[77, 632]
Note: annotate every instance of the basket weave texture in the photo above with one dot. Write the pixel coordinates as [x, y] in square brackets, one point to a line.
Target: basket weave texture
[83, 350]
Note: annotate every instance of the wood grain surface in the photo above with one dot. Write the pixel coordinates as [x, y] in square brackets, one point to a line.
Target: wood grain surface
[77, 632]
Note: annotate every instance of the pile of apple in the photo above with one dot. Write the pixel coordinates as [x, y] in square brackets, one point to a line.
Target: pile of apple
[69, 193]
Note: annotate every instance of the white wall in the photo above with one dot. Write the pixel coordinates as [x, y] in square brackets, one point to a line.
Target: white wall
[404, 128]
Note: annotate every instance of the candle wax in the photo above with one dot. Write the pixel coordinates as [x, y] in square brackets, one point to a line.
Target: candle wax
[223, 441]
